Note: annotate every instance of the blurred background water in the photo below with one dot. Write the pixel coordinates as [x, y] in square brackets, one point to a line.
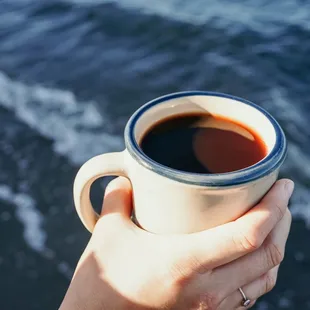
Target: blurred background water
[72, 72]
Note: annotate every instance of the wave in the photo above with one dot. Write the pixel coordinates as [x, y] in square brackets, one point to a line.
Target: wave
[75, 127]
[198, 12]
[30, 217]
[257, 15]
[32, 221]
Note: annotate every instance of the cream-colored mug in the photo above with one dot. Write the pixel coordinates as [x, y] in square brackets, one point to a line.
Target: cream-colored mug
[171, 201]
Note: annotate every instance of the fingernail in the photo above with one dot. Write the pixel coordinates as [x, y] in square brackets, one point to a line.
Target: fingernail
[289, 187]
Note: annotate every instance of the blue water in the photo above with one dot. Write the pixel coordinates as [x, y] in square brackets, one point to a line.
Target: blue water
[72, 72]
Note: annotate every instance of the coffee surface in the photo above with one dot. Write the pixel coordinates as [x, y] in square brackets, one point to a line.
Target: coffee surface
[203, 143]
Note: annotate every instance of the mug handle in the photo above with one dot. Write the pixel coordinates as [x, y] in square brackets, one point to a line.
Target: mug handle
[102, 165]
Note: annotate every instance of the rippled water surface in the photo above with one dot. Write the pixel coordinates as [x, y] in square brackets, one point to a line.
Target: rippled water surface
[72, 72]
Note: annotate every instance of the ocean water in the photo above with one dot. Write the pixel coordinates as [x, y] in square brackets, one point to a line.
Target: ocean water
[72, 72]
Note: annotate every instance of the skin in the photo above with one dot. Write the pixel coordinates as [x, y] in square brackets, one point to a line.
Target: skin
[124, 267]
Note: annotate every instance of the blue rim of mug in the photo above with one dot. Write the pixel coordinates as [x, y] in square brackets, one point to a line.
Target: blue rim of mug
[264, 167]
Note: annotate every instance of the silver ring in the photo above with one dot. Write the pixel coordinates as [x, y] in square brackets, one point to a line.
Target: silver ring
[245, 302]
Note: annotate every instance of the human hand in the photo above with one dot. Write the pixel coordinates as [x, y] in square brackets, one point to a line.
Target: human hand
[124, 267]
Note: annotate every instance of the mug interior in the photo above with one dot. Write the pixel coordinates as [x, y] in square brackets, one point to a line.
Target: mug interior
[235, 110]
[230, 107]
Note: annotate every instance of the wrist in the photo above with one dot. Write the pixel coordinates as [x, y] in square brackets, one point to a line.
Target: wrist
[86, 290]
[78, 299]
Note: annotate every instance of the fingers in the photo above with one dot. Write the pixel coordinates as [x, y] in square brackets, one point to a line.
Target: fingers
[228, 242]
[118, 198]
[252, 266]
[253, 290]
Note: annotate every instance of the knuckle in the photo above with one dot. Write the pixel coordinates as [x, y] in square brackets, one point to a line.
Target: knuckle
[209, 300]
[193, 263]
[177, 272]
[274, 254]
[279, 210]
[197, 266]
[289, 216]
[270, 282]
[182, 269]
[181, 272]
[249, 241]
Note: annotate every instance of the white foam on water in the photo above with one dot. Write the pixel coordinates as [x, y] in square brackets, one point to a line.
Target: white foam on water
[74, 126]
[30, 217]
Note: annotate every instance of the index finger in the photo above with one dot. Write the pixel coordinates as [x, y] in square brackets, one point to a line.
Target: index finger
[225, 243]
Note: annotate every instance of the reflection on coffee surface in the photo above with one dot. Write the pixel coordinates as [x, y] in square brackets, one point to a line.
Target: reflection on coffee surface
[203, 143]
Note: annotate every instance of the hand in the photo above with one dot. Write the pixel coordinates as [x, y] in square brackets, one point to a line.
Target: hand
[125, 267]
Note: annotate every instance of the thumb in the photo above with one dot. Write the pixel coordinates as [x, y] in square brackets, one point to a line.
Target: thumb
[118, 198]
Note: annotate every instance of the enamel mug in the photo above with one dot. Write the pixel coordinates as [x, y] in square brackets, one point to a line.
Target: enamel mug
[168, 201]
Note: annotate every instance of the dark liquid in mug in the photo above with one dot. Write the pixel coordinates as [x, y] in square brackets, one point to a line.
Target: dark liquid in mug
[203, 143]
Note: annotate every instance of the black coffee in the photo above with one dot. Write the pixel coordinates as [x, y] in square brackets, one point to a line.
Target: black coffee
[203, 143]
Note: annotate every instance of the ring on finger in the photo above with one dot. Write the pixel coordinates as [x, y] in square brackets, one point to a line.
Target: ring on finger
[245, 302]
